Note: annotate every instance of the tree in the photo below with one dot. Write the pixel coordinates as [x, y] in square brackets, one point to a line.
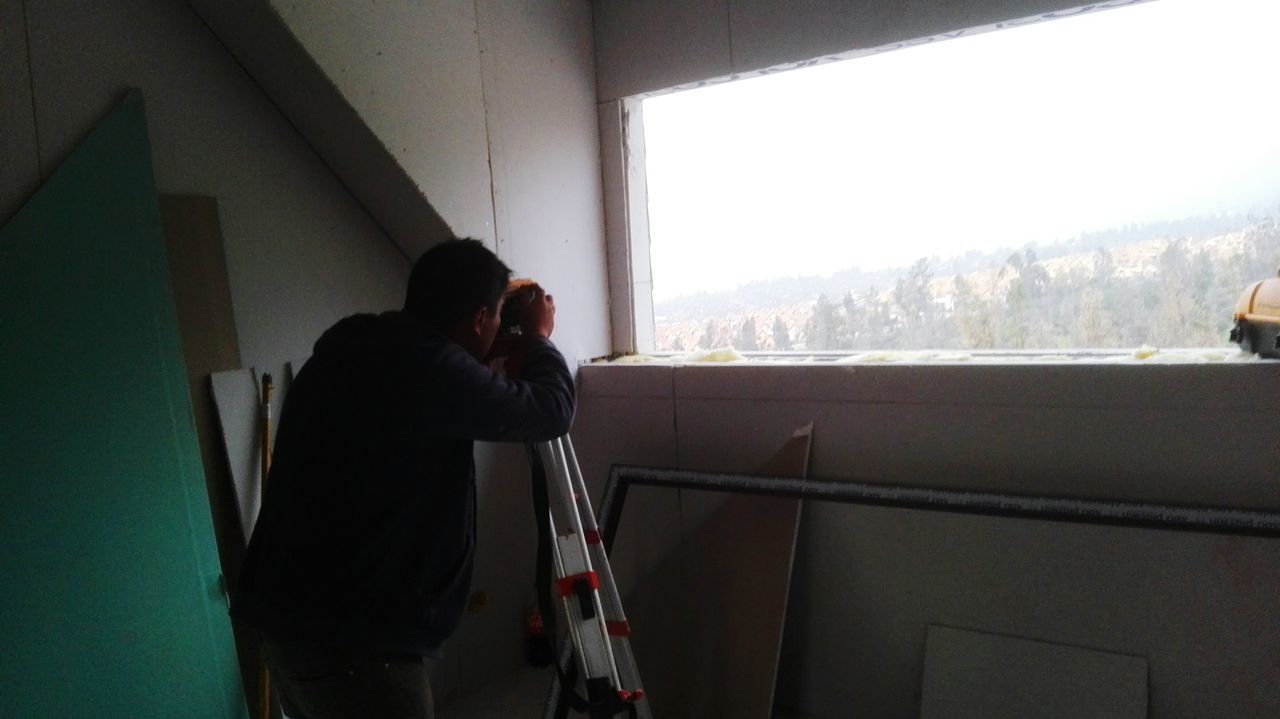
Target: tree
[1095, 327]
[708, 340]
[973, 318]
[824, 326]
[914, 299]
[781, 335]
[747, 341]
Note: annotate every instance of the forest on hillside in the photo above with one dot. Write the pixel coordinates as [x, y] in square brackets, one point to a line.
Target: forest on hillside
[1137, 286]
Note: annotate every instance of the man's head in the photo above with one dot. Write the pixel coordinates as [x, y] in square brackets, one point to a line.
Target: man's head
[456, 288]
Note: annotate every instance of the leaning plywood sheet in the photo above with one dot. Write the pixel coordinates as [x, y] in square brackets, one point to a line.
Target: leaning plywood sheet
[708, 623]
[975, 675]
[108, 557]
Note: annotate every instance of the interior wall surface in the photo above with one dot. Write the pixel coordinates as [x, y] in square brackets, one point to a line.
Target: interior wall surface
[868, 580]
[646, 46]
[411, 71]
[300, 253]
[490, 108]
[493, 104]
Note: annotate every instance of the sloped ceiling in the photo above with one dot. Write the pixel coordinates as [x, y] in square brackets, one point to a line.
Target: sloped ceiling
[373, 89]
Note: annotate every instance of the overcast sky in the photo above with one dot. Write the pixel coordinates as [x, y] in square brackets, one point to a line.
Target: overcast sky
[1160, 110]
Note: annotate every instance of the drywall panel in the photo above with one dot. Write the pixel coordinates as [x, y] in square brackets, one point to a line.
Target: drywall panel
[411, 73]
[545, 155]
[641, 380]
[202, 299]
[646, 47]
[20, 169]
[752, 541]
[643, 45]
[768, 32]
[1211, 457]
[609, 431]
[708, 620]
[975, 675]
[1079, 384]
[729, 565]
[490, 642]
[300, 252]
[869, 581]
[109, 555]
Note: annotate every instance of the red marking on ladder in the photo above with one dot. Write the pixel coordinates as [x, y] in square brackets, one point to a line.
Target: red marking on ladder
[566, 587]
[631, 697]
[593, 537]
[618, 629]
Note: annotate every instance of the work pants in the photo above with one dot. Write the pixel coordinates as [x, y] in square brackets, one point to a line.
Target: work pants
[320, 682]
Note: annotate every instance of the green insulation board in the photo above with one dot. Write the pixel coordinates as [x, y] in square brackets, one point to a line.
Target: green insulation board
[111, 599]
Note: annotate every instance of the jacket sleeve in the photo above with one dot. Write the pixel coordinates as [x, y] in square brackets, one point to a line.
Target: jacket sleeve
[475, 402]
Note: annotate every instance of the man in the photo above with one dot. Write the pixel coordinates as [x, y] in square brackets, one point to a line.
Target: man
[360, 563]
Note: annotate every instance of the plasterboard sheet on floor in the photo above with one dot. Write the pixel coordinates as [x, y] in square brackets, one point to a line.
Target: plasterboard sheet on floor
[708, 622]
[976, 675]
[521, 695]
[869, 580]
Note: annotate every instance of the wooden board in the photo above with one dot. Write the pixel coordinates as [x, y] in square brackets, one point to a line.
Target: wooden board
[708, 623]
[109, 554]
[975, 675]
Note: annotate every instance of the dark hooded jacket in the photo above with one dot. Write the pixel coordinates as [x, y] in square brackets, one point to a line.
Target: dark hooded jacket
[366, 536]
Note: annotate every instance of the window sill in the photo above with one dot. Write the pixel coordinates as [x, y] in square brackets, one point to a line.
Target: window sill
[1140, 356]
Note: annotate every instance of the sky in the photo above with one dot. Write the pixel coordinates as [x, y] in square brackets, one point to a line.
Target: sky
[1160, 110]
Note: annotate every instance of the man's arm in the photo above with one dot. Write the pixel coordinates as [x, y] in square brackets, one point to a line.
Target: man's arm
[475, 402]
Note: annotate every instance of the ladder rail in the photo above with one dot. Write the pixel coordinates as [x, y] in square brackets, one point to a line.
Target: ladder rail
[560, 471]
[628, 672]
[602, 654]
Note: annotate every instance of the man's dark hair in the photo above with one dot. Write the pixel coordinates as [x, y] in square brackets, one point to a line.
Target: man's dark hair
[454, 279]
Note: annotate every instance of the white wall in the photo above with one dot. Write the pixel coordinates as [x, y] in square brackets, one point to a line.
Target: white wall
[868, 580]
[650, 45]
[456, 87]
[300, 253]
[490, 108]
[486, 112]
[411, 71]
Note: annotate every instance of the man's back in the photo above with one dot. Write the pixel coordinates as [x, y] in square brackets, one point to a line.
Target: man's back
[367, 530]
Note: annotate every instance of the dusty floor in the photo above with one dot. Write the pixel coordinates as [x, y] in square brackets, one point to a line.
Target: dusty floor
[520, 696]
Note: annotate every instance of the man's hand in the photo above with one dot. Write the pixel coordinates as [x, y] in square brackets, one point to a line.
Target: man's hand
[537, 312]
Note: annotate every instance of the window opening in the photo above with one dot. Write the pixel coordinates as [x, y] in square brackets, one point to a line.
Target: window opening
[1107, 180]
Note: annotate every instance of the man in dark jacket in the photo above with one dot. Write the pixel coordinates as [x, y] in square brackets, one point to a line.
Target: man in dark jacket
[360, 562]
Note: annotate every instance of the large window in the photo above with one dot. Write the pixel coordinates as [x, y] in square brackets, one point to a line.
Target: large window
[1106, 180]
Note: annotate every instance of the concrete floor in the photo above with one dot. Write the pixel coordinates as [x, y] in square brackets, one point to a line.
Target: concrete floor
[523, 696]
[519, 696]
